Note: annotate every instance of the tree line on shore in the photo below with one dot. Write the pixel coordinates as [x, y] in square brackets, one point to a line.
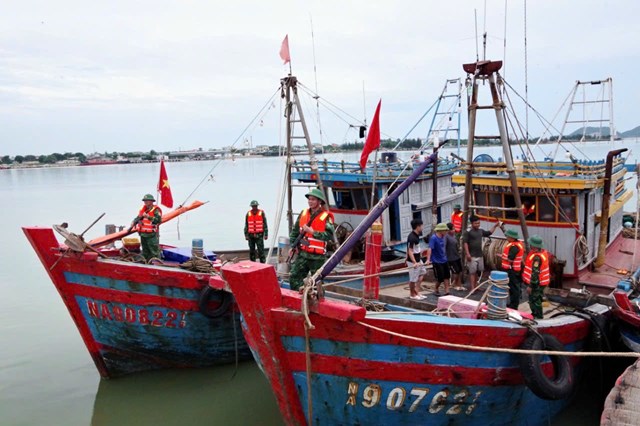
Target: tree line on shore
[385, 144]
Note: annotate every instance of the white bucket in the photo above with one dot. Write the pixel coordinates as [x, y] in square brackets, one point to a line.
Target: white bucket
[283, 242]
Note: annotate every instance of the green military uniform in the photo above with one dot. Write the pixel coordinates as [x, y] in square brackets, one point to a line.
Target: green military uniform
[309, 262]
[537, 291]
[150, 241]
[256, 240]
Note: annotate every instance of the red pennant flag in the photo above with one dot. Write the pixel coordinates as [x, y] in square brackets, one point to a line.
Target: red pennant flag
[166, 199]
[373, 138]
[284, 50]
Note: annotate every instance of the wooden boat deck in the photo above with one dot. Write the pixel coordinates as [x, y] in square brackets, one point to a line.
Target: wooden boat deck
[619, 257]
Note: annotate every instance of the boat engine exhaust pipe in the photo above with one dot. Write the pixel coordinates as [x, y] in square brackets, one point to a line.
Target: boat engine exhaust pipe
[604, 215]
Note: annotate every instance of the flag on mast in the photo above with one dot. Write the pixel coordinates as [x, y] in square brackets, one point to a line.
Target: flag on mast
[373, 138]
[166, 198]
[284, 50]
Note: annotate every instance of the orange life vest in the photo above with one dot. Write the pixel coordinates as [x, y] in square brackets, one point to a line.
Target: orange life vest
[516, 264]
[544, 276]
[529, 210]
[255, 222]
[456, 219]
[145, 225]
[319, 224]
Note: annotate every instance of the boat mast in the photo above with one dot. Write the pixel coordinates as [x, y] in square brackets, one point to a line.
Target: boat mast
[294, 114]
[488, 71]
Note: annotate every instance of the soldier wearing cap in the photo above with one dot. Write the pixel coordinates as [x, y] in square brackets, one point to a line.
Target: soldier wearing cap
[437, 255]
[512, 256]
[536, 274]
[256, 231]
[317, 226]
[147, 223]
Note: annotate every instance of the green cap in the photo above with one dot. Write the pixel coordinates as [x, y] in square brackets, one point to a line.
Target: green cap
[148, 197]
[512, 233]
[441, 227]
[535, 241]
[457, 207]
[253, 203]
[315, 192]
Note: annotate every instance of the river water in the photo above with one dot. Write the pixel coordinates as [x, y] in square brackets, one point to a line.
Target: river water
[46, 374]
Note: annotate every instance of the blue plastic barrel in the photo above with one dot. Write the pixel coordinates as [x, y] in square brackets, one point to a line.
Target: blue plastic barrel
[196, 243]
[498, 295]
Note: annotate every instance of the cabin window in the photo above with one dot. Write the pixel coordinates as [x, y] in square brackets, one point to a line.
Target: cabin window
[547, 209]
[361, 198]
[495, 200]
[343, 199]
[481, 200]
[567, 209]
[510, 202]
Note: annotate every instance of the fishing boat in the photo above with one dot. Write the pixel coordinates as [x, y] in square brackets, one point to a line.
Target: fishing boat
[352, 190]
[332, 359]
[136, 316]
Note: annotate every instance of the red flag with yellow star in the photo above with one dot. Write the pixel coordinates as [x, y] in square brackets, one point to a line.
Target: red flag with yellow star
[166, 199]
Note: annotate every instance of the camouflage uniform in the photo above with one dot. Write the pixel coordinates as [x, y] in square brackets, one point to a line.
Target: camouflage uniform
[150, 241]
[256, 241]
[537, 291]
[308, 262]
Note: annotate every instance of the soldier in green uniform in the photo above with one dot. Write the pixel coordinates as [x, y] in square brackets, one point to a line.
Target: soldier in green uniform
[147, 223]
[256, 231]
[317, 226]
[536, 275]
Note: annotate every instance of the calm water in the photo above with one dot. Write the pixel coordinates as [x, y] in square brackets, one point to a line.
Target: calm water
[46, 374]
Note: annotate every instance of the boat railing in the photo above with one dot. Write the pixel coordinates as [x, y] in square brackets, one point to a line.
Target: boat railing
[576, 169]
[445, 165]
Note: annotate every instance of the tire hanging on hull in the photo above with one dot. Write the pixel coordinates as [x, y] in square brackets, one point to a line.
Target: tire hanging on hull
[561, 385]
[207, 295]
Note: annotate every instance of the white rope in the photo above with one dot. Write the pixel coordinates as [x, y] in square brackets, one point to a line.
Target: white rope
[502, 350]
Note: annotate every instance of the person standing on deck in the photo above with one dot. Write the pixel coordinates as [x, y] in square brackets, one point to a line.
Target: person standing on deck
[147, 223]
[317, 226]
[414, 261]
[256, 231]
[456, 219]
[536, 275]
[512, 256]
[452, 248]
[472, 240]
[437, 255]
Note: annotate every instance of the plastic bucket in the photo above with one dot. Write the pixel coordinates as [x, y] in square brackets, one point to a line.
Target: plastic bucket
[283, 242]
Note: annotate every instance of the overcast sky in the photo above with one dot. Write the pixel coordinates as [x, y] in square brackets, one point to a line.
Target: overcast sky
[87, 75]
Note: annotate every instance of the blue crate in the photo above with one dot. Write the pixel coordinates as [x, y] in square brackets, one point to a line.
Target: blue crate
[182, 254]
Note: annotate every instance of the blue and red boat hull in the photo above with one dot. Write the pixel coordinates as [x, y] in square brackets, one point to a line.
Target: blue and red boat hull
[363, 369]
[136, 317]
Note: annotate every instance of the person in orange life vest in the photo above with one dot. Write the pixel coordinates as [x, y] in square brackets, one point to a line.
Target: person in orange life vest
[536, 274]
[147, 223]
[317, 225]
[529, 209]
[512, 256]
[456, 219]
[256, 231]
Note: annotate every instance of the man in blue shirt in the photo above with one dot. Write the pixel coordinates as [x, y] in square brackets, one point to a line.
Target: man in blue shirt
[437, 256]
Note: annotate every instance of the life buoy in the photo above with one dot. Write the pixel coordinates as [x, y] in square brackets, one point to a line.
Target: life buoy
[209, 294]
[561, 384]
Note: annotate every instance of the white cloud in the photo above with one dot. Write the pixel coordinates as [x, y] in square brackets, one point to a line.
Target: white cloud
[163, 74]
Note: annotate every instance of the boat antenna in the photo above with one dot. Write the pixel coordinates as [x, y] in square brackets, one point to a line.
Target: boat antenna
[315, 76]
[475, 15]
[484, 33]
[504, 46]
[526, 78]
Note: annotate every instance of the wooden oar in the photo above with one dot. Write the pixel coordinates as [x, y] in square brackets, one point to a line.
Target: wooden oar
[107, 239]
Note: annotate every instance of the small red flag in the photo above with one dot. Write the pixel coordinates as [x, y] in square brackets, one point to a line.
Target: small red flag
[373, 138]
[166, 199]
[284, 50]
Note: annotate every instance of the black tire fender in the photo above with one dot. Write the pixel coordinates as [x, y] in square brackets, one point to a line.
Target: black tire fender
[551, 388]
[207, 295]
